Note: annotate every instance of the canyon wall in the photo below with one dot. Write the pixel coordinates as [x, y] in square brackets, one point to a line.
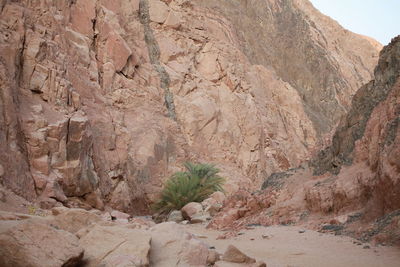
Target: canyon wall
[350, 187]
[101, 101]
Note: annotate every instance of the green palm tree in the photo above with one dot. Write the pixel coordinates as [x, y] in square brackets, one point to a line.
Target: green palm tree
[195, 184]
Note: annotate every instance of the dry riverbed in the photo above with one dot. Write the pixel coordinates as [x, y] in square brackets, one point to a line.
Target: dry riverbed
[292, 246]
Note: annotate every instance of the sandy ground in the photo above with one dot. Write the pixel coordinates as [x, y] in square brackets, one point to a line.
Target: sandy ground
[286, 246]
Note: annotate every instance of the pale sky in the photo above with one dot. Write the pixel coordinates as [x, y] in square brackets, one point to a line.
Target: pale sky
[379, 19]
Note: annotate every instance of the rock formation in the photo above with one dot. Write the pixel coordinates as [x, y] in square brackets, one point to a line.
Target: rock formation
[353, 185]
[102, 100]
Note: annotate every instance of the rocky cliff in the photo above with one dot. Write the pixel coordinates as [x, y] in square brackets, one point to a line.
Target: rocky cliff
[102, 100]
[353, 185]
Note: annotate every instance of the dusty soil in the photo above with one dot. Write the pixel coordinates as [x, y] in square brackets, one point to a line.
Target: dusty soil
[290, 246]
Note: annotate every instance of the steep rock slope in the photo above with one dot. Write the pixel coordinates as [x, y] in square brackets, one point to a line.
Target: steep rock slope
[356, 183]
[102, 100]
[324, 62]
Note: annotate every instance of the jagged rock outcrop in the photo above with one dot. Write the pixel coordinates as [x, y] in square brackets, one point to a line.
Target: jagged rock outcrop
[353, 185]
[102, 100]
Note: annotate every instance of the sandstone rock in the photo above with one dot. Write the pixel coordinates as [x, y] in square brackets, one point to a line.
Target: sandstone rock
[232, 254]
[94, 200]
[259, 264]
[173, 20]
[191, 209]
[117, 215]
[214, 203]
[72, 220]
[83, 12]
[175, 216]
[116, 246]
[30, 243]
[158, 11]
[213, 257]
[117, 50]
[172, 246]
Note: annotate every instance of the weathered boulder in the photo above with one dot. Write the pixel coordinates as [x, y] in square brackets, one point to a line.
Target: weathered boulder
[116, 246]
[175, 216]
[172, 246]
[233, 254]
[214, 203]
[30, 243]
[119, 216]
[191, 209]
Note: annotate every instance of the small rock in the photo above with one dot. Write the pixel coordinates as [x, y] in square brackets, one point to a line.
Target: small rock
[302, 231]
[212, 257]
[233, 254]
[259, 264]
[175, 216]
[117, 215]
[366, 247]
[266, 237]
[240, 233]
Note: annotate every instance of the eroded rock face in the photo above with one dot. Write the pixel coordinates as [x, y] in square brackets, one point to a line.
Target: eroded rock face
[354, 182]
[303, 48]
[29, 243]
[101, 101]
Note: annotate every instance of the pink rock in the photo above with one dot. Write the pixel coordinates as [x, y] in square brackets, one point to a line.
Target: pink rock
[158, 11]
[233, 254]
[191, 209]
[173, 20]
[120, 215]
[83, 13]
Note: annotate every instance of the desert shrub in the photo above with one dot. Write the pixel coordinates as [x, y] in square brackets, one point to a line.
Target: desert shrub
[195, 184]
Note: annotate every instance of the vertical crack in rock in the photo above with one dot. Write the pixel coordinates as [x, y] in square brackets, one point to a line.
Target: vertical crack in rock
[154, 55]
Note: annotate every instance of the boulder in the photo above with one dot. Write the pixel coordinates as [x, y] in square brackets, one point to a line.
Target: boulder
[191, 209]
[200, 218]
[120, 216]
[72, 220]
[30, 243]
[116, 246]
[233, 254]
[214, 203]
[175, 216]
[172, 246]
